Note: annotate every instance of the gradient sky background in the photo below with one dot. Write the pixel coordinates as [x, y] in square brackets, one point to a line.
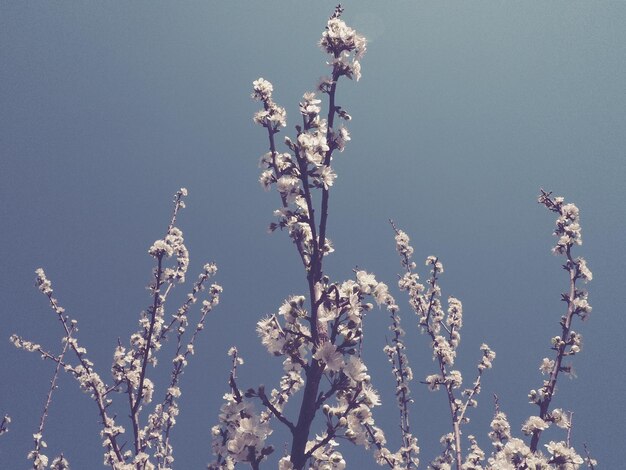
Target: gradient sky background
[464, 111]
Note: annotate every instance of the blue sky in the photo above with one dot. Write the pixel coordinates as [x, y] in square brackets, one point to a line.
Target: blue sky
[464, 111]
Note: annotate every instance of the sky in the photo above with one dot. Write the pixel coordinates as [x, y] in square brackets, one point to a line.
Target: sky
[464, 111]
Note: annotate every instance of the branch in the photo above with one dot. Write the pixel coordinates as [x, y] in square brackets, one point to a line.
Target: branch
[38, 436]
[263, 397]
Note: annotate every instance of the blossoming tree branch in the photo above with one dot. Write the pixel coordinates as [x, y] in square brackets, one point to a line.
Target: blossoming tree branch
[317, 334]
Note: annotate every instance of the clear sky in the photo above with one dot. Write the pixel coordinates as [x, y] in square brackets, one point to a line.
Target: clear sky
[464, 111]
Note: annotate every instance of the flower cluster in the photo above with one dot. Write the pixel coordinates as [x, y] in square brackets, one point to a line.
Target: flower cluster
[345, 45]
[500, 430]
[241, 434]
[272, 116]
[515, 454]
[41, 461]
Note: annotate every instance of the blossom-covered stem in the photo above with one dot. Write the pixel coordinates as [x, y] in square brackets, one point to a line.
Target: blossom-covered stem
[178, 366]
[272, 128]
[100, 402]
[92, 379]
[302, 165]
[44, 414]
[404, 400]
[402, 374]
[327, 158]
[456, 429]
[270, 134]
[21, 343]
[568, 231]
[156, 304]
[455, 420]
[221, 461]
[189, 348]
[475, 390]
[591, 463]
[182, 311]
[176, 372]
[406, 251]
[370, 433]
[330, 435]
[270, 406]
[331, 430]
[232, 377]
[178, 204]
[133, 417]
[544, 407]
